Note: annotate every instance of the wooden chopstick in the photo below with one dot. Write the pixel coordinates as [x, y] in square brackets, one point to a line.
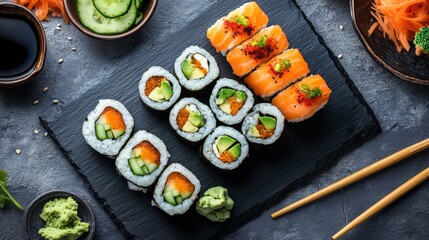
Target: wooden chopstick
[373, 168]
[384, 202]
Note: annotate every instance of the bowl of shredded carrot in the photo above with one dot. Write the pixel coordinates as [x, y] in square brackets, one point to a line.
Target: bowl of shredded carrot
[387, 29]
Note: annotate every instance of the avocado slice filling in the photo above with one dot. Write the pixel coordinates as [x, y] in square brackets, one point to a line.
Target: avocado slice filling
[226, 148]
[230, 100]
[189, 119]
[158, 89]
[195, 66]
[264, 128]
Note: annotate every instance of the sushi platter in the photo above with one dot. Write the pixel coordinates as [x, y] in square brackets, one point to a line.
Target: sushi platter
[175, 125]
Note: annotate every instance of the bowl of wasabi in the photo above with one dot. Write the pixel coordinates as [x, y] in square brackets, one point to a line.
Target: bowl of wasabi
[59, 215]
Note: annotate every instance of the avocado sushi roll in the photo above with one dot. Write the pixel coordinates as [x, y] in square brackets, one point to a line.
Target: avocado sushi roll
[159, 89]
[192, 120]
[225, 148]
[176, 190]
[196, 68]
[230, 101]
[264, 125]
[142, 160]
[108, 127]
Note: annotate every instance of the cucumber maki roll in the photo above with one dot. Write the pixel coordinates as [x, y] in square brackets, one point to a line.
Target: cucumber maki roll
[192, 120]
[230, 101]
[225, 148]
[264, 125]
[159, 89]
[176, 190]
[196, 68]
[142, 160]
[108, 127]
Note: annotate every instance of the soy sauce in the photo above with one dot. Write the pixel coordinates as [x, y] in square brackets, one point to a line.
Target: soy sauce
[18, 47]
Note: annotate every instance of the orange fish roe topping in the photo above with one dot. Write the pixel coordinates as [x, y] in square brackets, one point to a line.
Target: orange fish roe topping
[197, 64]
[235, 105]
[182, 117]
[152, 83]
[180, 182]
[149, 152]
[239, 25]
[263, 131]
[113, 118]
[260, 48]
[227, 157]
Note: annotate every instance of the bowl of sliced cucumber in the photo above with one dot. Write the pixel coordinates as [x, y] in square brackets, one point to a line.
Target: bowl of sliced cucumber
[109, 19]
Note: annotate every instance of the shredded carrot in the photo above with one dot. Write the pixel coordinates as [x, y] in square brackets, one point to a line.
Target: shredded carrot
[400, 20]
[42, 8]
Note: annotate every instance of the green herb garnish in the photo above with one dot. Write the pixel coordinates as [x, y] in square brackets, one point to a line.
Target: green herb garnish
[283, 64]
[421, 40]
[261, 42]
[311, 93]
[242, 20]
[5, 196]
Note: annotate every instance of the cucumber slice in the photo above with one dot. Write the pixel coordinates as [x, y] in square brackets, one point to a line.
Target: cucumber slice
[140, 162]
[109, 134]
[135, 167]
[139, 17]
[185, 195]
[117, 133]
[112, 8]
[175, 193]
[168, 197]
[106, 127]
[96, 22]
[99, 132]
[152, 167]
[145, 170]
[178, 199]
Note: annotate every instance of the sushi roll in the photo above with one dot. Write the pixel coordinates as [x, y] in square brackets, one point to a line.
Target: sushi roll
[225, 148]
[196, 68]
[278, 73]
[159, 89]
[236, 27]
[231, 101]
[142, 160]
[176, 190]
[108, 127]
[264, 125]
[192, 120]
[303, 99]
[266, 44]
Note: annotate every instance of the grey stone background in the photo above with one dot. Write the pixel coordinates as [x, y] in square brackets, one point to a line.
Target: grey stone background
[401, 107]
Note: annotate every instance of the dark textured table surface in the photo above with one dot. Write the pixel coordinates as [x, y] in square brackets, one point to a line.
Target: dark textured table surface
[402, 109]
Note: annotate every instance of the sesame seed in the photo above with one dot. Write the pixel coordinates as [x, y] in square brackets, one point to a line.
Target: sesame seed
[69, 38]
[60, 60]
[341, 27]
[73, 49]
[58, 28]
[45, 89]
[46, 134]
[340, 56]
[35, 102]
[36, 131]
[18, 151]
[55, 101]
[59, 25]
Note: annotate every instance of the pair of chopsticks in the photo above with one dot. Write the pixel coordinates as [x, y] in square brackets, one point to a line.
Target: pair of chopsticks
[373, 168]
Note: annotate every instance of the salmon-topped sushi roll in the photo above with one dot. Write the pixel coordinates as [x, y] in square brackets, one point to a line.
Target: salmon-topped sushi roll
[266, 44]
[278, 73]
[238, 26]
[303, 99]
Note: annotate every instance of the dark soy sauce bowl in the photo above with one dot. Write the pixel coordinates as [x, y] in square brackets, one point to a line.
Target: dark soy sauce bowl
[33, 222]
[15, 10]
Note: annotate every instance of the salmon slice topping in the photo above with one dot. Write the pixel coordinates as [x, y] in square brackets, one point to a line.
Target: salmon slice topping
[261, 48]
[306, 95]
[239, 25]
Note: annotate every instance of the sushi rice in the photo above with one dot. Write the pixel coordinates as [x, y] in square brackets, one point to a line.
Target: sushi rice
[210, 152]
[108, 147]
[196, 84]
[223, 116]
[141, 183]
[159, 71]
[158, 199]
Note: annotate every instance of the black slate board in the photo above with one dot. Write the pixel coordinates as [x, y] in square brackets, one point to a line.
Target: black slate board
[304, 149]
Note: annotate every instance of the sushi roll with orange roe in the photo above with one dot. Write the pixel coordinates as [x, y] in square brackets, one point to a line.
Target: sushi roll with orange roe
[238, 26]
[108, 127]
[142, 160]
[303, 99]
[176, 190]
